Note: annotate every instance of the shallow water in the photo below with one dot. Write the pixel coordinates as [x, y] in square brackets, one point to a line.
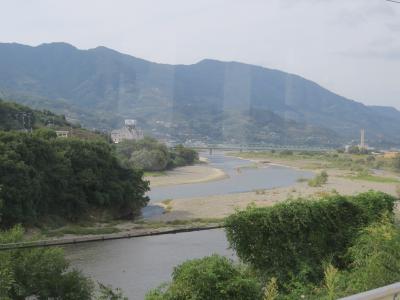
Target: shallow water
[140, 264]
[246, 179]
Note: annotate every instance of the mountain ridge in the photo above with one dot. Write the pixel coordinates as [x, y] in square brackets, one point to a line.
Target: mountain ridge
[168, 99]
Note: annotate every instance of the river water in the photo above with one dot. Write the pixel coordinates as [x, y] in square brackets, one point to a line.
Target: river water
[137, 265]
[243, 177]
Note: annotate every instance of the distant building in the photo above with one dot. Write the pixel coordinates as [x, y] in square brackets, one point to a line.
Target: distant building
[128, 132]
[62, 133]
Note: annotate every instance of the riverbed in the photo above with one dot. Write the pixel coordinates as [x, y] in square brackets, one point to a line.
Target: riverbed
[139, 264]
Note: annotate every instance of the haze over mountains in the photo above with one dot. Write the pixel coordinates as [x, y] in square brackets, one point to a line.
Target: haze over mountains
[211, 100]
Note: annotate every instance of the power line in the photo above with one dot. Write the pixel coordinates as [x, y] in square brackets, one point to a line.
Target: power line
[393, 1]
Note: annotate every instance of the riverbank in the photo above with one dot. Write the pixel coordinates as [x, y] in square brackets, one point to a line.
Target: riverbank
[209, 210]
[132, 233]
[220, 206]
[187, 175]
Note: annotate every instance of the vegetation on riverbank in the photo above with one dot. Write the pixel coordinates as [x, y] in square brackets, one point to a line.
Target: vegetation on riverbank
[318, 249]
[327, 159]
[44, 273]
[319, 180]
[151, 155]
[119, 226]
[373, 178]
[43, 179]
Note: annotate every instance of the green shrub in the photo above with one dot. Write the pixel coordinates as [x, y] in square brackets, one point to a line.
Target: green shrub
[149, 154]
[40, 272]
[291, 240]
[375, 257]
[286, 153]
[210, 278]
[319, 179]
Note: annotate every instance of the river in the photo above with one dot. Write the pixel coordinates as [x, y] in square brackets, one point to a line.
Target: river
[137, 265]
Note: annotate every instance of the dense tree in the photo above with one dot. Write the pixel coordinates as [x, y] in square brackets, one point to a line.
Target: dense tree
[43, 177]
[149, 160]
[149, 154]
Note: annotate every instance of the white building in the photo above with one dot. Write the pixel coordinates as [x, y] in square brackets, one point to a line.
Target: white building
[128, 132]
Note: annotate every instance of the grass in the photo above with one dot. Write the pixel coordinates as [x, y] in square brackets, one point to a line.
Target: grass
[251, 166]
[168, 205]
[141, 224]
[323, 160]
[373, 178]
[79, 230]
[155, 173]
[190, 222]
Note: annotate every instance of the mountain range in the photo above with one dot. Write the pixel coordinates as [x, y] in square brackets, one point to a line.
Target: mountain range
[211, 101]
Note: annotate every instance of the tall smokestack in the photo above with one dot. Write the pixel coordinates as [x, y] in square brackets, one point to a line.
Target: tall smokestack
[362, 142]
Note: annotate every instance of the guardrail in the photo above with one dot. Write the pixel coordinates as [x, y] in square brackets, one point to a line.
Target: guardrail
[390, 292]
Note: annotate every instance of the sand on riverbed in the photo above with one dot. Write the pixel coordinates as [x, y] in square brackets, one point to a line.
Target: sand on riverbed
[221, 206]
[188, 174]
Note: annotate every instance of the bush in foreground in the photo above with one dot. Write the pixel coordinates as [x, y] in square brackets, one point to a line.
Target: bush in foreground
[44, 273]
[38, 272]
[210, 278]
[292, 240]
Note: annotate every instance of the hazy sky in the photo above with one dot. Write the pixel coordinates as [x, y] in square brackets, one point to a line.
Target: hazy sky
[349, 46]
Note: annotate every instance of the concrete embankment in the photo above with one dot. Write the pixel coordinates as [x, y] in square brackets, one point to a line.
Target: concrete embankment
[96, 238]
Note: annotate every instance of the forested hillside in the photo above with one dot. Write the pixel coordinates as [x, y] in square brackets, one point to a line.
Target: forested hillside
[14, 116]
[211, 100]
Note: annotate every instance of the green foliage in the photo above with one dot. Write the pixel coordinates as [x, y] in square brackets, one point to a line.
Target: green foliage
[209, 278]
[331, 282]
[373, 262]
[375, 257]
[43, 177]
[358, 150]
[149, 160]
[40, 272]
[319, 180]
[291, 240]
[108, 293]
[181, 156]
[14, 116]
[149, 154]
[396, 163]
[286, 152]
[271, 290]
